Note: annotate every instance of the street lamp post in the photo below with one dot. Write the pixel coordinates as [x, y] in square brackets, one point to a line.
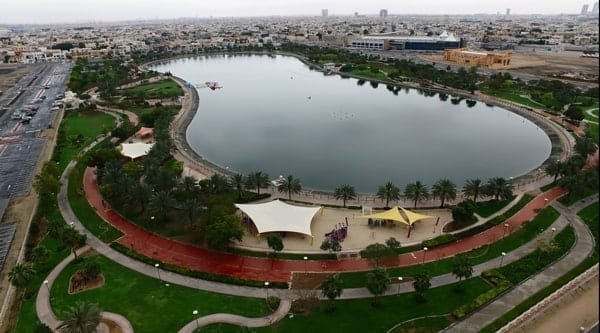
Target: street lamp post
[305, 265]
[505, 229]
[399, 283]
[267, 286]
[158, 270]
[545, 202]
[47, 287]
[502, 258]
[195, 313]
[424, 253]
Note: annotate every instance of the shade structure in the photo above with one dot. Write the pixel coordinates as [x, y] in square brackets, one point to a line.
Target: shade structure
[279, 216]
[392, 214]
[135, 150]
[414, 217]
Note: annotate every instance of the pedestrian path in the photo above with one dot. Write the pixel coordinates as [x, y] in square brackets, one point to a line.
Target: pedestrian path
[264, 269]
[581, 250]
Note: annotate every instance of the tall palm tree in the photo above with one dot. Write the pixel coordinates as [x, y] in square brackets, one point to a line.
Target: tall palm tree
[345, 192]
[81, 318]
[140, 194]
[20, 275]
[257, 180]
[585, 146]
[290, 185]
[554, 169]
[161, 203]
[445, 190]
[189, 185]
[473, 188]
[237, 182]
[190, 209]
[387, 192]
[500, 188]
[416, 192]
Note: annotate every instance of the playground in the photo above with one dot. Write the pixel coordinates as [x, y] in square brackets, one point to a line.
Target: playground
[351, 230]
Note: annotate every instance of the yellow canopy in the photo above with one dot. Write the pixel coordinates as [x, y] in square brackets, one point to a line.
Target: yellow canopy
[414, 217]
[392, 214]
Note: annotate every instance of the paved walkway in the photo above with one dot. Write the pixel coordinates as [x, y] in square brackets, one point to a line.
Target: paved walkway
[227, 318]
[582, 248]
[133, 118]
[263, 269]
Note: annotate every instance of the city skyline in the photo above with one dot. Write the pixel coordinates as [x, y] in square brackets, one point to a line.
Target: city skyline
[71, 11]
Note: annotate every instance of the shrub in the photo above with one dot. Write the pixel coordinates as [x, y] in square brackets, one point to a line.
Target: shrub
[273, 303]
[439, 240]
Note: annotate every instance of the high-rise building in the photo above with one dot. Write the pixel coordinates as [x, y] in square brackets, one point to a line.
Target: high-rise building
[584, 9]
[383, 13]
[355, 14]
[507, 11]
[595, 8]
[324, 12]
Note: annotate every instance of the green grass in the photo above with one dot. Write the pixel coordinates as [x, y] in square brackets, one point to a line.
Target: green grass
[541, 222]
[89, 124]
[423, 325]
[146, 302]
[572, 198]
[488, 208]
[84, 211]
[161, 89]
[590, 217]
[359, 316]
[140, 110]
[367, 73]
[27, 316]
[515, 96]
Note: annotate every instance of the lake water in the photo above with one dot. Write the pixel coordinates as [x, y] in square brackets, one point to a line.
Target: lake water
[276, 115]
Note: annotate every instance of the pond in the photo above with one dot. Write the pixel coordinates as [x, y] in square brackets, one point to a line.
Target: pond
[275, 114]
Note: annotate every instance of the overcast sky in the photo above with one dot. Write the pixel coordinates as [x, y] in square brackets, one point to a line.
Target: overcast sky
[51, 11]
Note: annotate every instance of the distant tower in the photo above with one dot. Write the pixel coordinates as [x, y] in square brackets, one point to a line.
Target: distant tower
[355, 14]
[324, 12]
[507, 11]
[383, 13]
[595, 8]
[584, 9]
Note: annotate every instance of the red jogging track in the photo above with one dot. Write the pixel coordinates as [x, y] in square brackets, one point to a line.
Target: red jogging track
[263, 269]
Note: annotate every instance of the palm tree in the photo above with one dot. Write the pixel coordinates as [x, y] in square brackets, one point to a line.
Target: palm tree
[161, 203]
[445, 190]
[554, 169]
[345, 192]
[237, 182]
[140, 194]
[332, 289]
[416, 192]
[473, 188]
[40, 254]
[500, 188]
[20, 275]
[81, 318]
[378, 282]
[189, 185]
[290, 185]
[190, 209]
[387, 192]
[585, 146]
[462, 268]
[421, 284]
[257, 180]
[73, 239]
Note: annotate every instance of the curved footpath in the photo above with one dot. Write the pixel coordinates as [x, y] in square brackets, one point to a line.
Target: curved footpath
[169, 251]
[582, 249]
[244, 291]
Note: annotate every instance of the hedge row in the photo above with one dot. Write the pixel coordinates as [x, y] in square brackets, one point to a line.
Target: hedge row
[501, 284]
[283, 255]
[193, 273]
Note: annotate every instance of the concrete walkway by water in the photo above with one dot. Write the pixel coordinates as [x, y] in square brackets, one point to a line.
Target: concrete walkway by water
[582, 249]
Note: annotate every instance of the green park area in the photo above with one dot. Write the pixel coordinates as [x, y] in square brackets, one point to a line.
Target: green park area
[156, 90]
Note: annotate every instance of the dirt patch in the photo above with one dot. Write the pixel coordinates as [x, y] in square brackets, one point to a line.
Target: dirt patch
[308, 280]
[112, 326]
[79, 282]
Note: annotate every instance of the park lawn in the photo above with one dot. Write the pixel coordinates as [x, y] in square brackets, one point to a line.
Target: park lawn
[488, 208]
[141, 110]
[423, 325]
[512, 241]
[359, 316]
[589, 215]
[515, 96]
[570, 199]
[367, 73]
[161, 89]
[89, 124]
[148, 303]
[28, 319]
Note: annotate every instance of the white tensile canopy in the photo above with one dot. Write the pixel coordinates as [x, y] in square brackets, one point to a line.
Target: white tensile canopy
[279, 216]
[135, 150]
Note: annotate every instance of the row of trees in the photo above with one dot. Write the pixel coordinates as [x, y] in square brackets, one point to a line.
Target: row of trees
[443, 189]
[572, 174]
[378, 282]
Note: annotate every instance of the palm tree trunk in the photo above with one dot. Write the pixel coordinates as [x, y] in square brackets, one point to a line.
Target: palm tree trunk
[290, 195]
[344, 202]
[74, 252]
[443, 201]
[416, 199]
